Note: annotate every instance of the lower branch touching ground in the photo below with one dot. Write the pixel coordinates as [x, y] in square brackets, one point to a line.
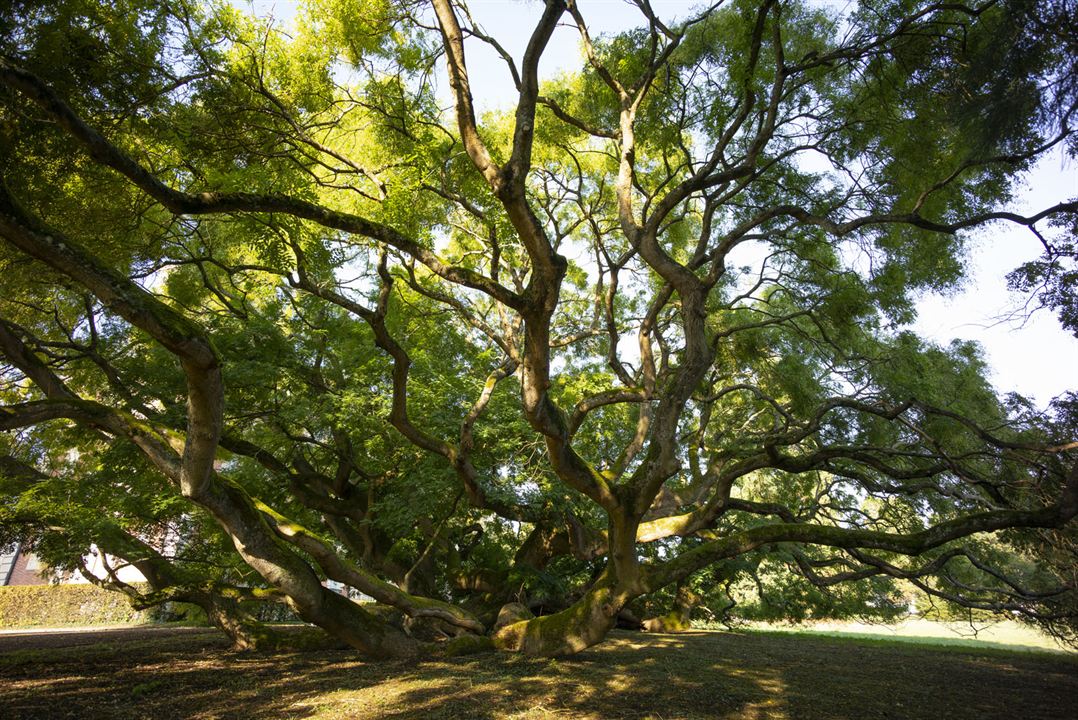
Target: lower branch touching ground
[583, 624]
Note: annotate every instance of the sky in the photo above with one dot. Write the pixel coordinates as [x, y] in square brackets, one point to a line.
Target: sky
[1029, 354]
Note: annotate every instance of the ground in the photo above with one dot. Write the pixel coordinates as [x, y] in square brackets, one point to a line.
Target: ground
[190, 673]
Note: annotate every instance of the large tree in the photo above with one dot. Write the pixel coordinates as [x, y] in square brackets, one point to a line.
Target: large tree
[627, 344]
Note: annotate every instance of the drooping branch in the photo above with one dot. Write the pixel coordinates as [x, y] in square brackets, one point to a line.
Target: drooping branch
[182, 203]
[164, 578]
[229, 504]
[339, 569]
[183, 338]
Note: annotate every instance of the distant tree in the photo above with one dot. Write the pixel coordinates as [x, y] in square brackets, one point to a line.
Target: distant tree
[633, 344]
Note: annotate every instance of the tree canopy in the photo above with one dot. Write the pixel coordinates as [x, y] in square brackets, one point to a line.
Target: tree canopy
[627, 347]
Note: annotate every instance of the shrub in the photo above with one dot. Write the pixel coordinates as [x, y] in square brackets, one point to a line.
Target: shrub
[46, 605]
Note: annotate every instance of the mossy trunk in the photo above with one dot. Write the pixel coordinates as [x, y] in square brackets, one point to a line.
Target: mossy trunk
[588, 620]
[246, 631]
[584, 623]
[679, 619]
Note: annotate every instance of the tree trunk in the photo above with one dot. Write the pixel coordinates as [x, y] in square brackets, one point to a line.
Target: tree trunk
[587, 621]
[679, 618]
[246, 631]
[286, 571]
[583, 624]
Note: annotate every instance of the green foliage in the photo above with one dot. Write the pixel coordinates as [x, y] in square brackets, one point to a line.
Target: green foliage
[471, 383]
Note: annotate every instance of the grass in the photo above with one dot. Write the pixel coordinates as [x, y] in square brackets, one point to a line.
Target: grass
[1007, 636]
[706, 674]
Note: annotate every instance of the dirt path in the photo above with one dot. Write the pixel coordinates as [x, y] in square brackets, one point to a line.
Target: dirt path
[45, 638]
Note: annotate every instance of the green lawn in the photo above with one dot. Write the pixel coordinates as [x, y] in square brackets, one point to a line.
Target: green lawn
[1006, 635]
[161, 675]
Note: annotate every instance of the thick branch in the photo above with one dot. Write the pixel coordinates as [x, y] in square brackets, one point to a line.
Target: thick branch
[912, 544]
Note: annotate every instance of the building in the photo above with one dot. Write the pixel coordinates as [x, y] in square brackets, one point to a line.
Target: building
[19, 567]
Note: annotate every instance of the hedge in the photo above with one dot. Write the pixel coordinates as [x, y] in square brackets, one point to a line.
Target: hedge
[50, 605]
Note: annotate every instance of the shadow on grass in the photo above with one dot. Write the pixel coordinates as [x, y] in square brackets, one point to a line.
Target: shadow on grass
[694, 675]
